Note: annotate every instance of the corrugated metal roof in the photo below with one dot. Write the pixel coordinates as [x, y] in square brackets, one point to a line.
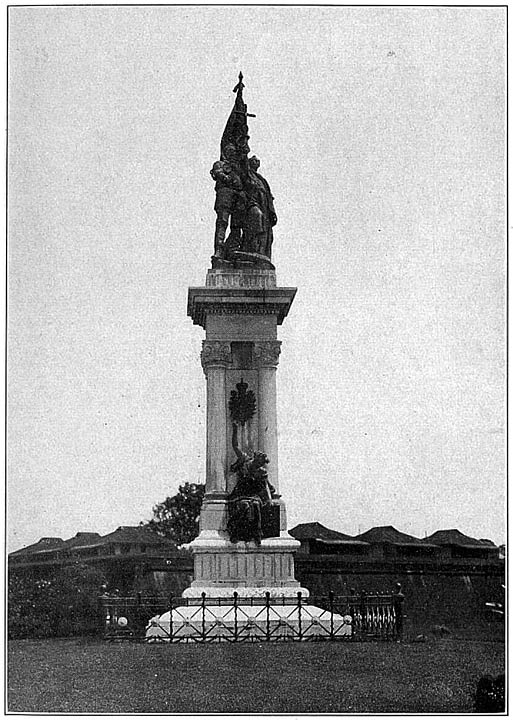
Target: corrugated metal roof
[84, 539]
[455, 537]
[316, 531]
[135, 534]
[42, 545]
[124, 534]
[388, 534]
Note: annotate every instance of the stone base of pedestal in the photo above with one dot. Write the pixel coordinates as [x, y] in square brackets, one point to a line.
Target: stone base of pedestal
[195, 592]
[245, 622]
[222, 567]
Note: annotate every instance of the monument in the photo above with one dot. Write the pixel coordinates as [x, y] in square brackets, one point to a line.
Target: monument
[243, 545]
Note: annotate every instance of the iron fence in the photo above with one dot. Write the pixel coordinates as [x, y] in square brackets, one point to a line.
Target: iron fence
[358, 616]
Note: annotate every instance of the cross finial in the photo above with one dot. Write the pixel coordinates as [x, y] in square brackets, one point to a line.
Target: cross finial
[238, 89]
[240, 85]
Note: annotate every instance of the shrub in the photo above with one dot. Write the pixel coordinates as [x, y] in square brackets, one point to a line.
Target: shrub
[60, 604]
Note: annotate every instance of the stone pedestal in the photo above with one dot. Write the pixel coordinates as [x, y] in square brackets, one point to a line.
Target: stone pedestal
[240, 310]
[222, 567]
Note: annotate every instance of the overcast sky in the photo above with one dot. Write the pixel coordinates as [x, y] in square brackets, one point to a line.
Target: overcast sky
[381, 133]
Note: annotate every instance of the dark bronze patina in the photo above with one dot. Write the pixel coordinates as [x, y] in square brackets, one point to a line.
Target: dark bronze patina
[250, 507]
[243, 197]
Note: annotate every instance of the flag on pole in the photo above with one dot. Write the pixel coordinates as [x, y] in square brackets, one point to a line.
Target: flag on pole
[236, 133]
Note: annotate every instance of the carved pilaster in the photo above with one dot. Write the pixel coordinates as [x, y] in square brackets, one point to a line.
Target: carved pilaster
[215, 352]
[267, 353]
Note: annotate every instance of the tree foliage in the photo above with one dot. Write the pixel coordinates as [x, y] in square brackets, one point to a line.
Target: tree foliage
[60, 603]
[177, 517]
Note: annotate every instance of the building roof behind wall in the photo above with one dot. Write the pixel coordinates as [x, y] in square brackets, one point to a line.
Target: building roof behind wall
[42, 545]
[389, 535]
[83, 539]
[455, 537]
[320, 533]
[135, 534]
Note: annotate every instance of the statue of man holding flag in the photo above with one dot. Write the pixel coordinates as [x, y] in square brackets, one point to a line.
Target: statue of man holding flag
[243, 197]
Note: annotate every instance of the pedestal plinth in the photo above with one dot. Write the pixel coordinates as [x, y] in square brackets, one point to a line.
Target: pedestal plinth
[222, 567]
[240, 309]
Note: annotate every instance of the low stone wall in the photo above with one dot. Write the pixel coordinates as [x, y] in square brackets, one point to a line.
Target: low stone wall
[454, 595]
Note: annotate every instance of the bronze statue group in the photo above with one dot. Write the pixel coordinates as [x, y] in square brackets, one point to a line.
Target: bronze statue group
[243, 197]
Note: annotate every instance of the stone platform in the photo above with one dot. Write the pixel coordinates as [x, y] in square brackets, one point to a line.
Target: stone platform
[228, 622]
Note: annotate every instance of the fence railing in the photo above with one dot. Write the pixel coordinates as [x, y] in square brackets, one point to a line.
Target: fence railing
[355, 617]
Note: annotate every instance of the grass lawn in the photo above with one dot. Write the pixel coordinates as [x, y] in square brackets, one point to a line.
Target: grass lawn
[88, 676]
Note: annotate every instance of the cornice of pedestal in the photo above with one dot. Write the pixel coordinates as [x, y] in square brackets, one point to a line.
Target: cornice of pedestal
[203, 301]
[219, 541]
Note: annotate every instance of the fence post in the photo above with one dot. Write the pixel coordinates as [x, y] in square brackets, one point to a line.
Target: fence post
[103, 614]
[363, 611]
[398, 599]
[267, 603]
[235, 596]
[300, 624]
[380, 614]
[203, 633]
[352, 609]
[331, 596]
